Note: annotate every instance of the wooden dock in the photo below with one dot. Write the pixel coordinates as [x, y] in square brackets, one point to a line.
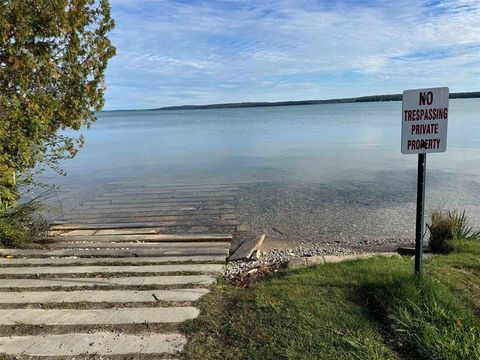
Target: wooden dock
[169, 209]
[123, 269]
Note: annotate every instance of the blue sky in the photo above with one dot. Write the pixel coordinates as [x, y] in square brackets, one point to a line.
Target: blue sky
[200, 52]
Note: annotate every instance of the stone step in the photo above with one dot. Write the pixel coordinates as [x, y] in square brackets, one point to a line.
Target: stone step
[38, 270]
[115, 252]
[109, 282]
[147, 315]
[123, 260]
[116, 236]
[136, 245]
[98, 296]
[98, 343]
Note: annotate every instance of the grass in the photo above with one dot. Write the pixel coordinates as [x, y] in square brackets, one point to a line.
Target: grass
[445, 226]
[364, 309]
[22, 225]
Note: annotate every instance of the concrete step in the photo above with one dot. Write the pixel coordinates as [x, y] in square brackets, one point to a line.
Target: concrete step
[98, 296]
[123, 260]
[151, 315]
[40, 270]
[216, 251]
[109, 282]
[99, 343]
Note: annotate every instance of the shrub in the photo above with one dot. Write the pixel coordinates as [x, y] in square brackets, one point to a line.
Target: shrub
[447, 226]
[22, 225]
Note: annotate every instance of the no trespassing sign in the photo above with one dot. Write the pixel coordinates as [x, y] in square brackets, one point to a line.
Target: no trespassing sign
[424, 120]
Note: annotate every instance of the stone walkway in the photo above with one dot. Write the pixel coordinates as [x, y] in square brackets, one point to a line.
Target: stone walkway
[114, 293]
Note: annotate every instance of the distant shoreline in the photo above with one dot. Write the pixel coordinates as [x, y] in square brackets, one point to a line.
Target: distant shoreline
[372, 98]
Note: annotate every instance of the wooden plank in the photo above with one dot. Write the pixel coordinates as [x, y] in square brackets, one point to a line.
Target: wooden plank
[124, 200]
[79, 232]
[136, 245]
[140, 231]
[157, 205]
[66, 226]
[152, 187]
[108, 232]
[116, 237]
[159, 222]
[155, 185]
[193, 206]
[160, 191]
[181, 202]
[165, 195]
[58, 225]
[116, 252]
[147, 212]
[127, 199]
[160, 218]
[247, 248]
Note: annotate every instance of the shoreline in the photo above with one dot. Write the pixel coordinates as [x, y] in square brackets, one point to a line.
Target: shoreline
[254, 104]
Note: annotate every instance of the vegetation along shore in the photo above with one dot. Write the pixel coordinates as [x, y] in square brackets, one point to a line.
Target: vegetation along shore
[372, 98]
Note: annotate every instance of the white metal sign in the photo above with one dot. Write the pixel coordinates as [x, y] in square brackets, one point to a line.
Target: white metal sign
[424, 120]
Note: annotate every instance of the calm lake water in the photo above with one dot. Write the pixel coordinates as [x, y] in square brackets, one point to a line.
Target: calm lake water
[342, 154]
[314, 143]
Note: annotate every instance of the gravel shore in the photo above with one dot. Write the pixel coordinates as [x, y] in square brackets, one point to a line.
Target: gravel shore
[278, 257]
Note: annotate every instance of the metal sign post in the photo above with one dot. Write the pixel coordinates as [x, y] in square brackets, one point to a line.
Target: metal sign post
[424, 130]
[419, 226]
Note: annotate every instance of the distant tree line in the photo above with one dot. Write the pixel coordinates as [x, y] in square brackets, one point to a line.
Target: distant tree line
[373, 98]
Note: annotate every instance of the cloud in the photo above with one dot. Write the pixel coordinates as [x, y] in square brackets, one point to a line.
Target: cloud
[191, 52]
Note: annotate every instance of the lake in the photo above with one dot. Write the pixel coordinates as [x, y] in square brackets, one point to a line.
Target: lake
[319, 172]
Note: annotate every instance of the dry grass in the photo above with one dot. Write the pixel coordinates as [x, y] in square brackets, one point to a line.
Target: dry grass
[22, 225]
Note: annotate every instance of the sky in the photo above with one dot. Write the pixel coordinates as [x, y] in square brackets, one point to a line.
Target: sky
[202, 52]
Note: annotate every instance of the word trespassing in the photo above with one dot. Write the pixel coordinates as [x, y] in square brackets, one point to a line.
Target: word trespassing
[425, 114]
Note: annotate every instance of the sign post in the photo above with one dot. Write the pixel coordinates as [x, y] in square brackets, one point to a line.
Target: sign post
[424, 130]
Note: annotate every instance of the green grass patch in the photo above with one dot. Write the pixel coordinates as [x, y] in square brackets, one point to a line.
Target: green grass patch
[364, 309]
